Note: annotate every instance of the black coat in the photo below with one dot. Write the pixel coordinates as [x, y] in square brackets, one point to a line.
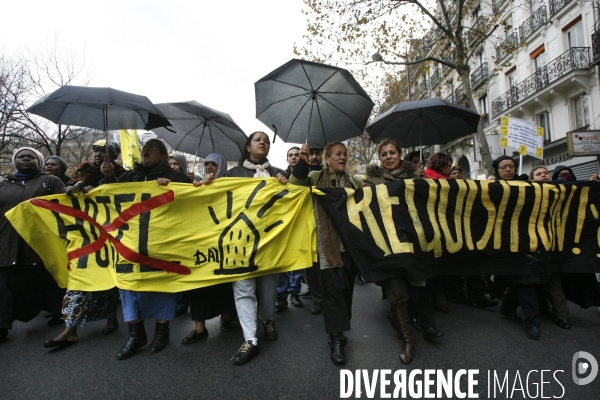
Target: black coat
[13, 249]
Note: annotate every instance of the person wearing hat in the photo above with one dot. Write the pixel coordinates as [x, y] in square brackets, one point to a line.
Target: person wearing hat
[56, 166]
[456, 172]
[79, 307]
[26, 287]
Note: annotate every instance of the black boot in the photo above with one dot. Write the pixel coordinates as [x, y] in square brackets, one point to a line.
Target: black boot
[161, 337]
[137, 338]
[401, 320]
[336, 344]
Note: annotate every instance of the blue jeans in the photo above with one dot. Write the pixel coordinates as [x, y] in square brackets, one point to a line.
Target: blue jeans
[289, 283]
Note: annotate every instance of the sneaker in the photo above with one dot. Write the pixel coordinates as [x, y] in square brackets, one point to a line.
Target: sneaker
[295, 300]
[245, 353]
[270, 330]
[281, 303]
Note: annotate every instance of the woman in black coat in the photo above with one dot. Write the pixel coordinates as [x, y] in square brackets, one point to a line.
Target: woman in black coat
[138, 306]
[26, 287]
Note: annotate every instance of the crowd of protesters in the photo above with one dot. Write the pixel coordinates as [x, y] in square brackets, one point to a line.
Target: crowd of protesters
[26, 287]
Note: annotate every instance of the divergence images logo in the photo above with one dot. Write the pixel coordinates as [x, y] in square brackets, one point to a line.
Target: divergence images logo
[238, 243]
[582, 364]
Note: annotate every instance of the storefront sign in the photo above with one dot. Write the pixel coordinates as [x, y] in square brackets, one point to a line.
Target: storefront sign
[583, 143]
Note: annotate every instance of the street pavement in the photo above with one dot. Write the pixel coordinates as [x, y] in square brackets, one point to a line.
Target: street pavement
[297, 365]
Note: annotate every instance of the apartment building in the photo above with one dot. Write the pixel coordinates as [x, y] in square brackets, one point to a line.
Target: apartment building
[540, 64]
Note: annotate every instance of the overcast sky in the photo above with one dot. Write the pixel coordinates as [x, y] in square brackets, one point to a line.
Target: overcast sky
[170, 51]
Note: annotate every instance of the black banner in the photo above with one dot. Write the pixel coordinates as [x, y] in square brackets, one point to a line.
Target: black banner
[422, 228]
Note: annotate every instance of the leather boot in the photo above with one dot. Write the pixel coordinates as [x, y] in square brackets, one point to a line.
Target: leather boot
[161, 337]
[402, 322]
[336, 344]
[137, 338]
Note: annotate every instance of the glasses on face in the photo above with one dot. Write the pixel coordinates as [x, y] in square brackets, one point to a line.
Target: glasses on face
[151, 147]
[505, 167]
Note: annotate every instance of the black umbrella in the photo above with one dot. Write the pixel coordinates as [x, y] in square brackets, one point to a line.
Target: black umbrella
[424, 122]
[307, 102]
[98, 108]
[201, 130]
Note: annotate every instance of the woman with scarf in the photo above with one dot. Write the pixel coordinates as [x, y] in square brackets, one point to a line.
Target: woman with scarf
[56, 166]
[337, 269]
[401, 290]
[139, 306]
[254, 164]
[211, 301]
[26, 287]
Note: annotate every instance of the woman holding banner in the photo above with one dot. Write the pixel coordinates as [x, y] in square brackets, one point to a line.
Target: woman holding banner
[401, 290]
[79, 307]
[337, 268]
[26, 287]
[139, 306]
[254, 164]
[211, 301]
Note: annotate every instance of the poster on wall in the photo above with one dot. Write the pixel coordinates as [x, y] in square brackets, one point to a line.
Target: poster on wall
[583, 143]
[523, 136]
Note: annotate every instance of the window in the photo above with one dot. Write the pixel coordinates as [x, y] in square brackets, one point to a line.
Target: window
[540, 59]
[479, 59]
[544, 122]
[483, 105]
[508, 24]
[483, 110]
[581, 111]
[512, 79]
[575, 36]
[535, 5]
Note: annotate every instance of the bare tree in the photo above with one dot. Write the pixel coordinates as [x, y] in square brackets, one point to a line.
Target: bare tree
[350, 30]
[27, 76]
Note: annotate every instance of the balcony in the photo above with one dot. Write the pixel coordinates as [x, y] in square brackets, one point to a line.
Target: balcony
[435, 78]
[557, 5]
[596, 47]
[459, 94]
[537, 19]
[496, 4]
[576, 58]
[479, 76]
[475, 33]
[507, 47]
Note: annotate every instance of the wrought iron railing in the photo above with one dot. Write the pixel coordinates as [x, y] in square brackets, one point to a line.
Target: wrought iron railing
[459, 94]
[507, 47]
[537, 19]
[450, 97]
[576, 58]
[557, 5]
[596, 44]
[435, 78]
[475, 33]
[479, 75]
[496, 4]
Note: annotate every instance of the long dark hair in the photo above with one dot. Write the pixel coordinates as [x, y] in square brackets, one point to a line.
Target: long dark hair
[245, 152]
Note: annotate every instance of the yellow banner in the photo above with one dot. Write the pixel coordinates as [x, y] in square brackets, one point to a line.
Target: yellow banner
[130, 147]
[146, 237]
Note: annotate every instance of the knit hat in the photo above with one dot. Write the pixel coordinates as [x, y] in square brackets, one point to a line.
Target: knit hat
[113, 148]
[38, 155]
[61, 163]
